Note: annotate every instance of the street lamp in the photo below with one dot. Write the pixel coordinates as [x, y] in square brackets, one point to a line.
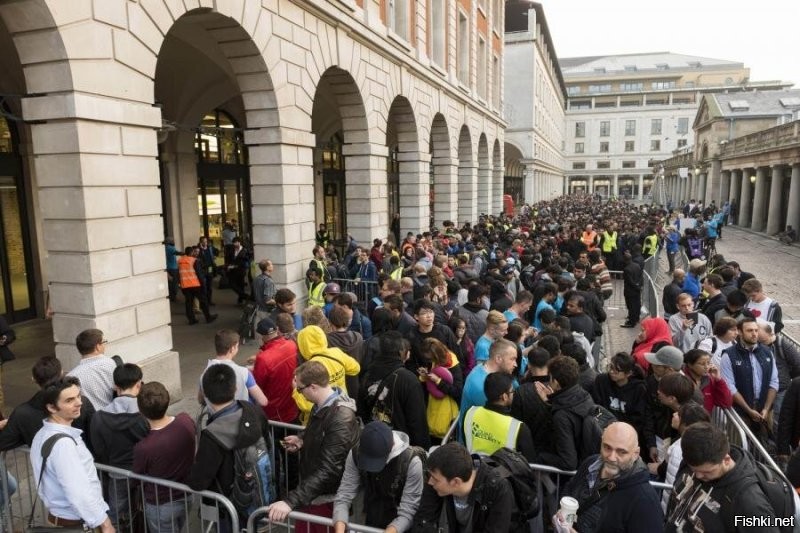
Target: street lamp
[753, 178]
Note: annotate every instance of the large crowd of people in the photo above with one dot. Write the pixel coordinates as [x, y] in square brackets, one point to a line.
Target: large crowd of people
[464, 340]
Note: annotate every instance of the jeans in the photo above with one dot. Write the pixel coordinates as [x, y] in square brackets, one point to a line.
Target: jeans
[168, 517]
[776, 410]
[12, 488]
[118, 501]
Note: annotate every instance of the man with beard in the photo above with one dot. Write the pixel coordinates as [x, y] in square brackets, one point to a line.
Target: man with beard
[613, 488]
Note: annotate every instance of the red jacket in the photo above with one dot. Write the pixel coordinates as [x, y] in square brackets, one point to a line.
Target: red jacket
[715, 392]
[274, 373]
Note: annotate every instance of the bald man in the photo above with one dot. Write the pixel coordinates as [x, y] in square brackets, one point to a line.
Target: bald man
[613, 488]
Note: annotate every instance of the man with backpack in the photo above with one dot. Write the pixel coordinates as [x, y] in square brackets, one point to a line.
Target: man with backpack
[613, 488]
[722, 487]
[223, 462]
[475, 496]
[391, 473]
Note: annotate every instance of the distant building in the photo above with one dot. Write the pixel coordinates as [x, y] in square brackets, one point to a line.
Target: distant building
[748, 152]
[626, 110]
[535, 98]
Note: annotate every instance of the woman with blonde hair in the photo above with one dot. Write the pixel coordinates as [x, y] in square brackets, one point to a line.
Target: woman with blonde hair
[443, 381]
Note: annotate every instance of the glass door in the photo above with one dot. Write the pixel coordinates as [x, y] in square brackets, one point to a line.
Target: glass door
[334, 207]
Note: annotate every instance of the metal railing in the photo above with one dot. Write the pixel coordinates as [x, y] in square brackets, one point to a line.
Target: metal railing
[172, 508]
[257, 524]
[364, 290]
[725, 419]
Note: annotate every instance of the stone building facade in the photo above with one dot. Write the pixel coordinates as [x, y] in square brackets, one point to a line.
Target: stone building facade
[138, 119]
[534, 106]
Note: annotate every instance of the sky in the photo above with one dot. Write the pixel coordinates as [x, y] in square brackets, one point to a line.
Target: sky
[762, 34]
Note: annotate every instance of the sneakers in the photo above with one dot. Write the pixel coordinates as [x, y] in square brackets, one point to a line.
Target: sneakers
[627, 325]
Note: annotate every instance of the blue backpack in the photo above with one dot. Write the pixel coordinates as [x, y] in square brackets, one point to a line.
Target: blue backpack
[253, 485]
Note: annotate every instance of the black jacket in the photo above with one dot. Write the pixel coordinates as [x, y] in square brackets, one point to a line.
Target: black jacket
[492, 499]
[5, 352]
[632, 278]
[658, 418]
[569, 407]
[416, 337]
[789, 420]
[26, 420]
[669, 298]
[787, 360]
[715, 504]
[524, 437]
[713, 305]
[116, 431]
[237, 426]
[628, 403]
[329, 436]
[631, 506]
[583, 323]
[407, 397]
[529, 408]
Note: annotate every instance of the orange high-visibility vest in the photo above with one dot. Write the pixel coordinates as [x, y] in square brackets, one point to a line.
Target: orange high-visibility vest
[589, 239]
[188, 277]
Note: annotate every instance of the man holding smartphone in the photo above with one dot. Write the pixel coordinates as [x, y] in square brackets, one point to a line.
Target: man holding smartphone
[688, 327]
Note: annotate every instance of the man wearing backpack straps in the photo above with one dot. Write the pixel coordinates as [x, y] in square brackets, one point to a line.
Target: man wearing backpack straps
[390, 472]
[232, 425]
[613, 488]
[475, 496]
[722, 485]
[68, 485]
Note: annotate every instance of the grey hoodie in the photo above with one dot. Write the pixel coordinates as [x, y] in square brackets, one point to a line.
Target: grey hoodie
[412, 491]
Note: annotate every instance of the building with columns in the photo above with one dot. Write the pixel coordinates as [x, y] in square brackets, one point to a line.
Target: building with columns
[747, 152]
[125, 121]
[535, 99]
[625, 110]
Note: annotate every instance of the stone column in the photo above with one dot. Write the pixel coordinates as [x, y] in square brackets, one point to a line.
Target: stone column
[736, 186]
[689, 189]
[527, 182]
[496, 200]
[615, 189]
[793, 213]
[724, 187]
[484, 189]
[713, 183]
[641, 187]
[97, 181]
[743, 219]
[775, 201]
[467, 191]
[414, 192]
[701, 187]
[367, 206]
[759, 200]
[445, 189]
[590, 184]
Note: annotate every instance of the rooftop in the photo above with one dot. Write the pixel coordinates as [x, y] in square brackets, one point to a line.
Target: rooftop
[757, 103]
[649, 61]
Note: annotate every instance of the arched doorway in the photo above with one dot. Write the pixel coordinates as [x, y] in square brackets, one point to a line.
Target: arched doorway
[407, 180]
[443, 181]
[467, 178]
[485, 191]
[513, 180]
[334, 206]
[16, 266]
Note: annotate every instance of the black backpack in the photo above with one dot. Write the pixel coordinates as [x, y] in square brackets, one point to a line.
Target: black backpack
[592, 427]
[777, 489]
[404, 460]
[514, 467]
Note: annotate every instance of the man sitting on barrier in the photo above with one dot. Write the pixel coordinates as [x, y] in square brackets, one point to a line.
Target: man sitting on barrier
[68, 486]
[613, 489]
[330, 434]
[390, 472]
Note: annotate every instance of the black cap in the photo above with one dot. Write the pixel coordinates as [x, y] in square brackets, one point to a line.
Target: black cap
[374, 447]
[266, 327]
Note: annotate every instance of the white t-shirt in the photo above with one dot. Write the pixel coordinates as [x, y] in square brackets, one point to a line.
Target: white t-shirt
[760, 310]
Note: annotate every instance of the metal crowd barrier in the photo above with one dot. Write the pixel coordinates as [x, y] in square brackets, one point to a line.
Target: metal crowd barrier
[725, 419]
[752, 443]
[650, 296]
[183, 509]
[257, 524]
[364, 290]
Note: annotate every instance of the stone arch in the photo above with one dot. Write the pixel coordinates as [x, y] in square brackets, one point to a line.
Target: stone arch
[408, 178]
[497, 178]
[445, 180]
[347, 196]
[467, 177]
[514, 180]
[484, 176]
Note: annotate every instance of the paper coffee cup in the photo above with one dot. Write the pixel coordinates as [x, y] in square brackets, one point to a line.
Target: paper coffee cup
[569, 509]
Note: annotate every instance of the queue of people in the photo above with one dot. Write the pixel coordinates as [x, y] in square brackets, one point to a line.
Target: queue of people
[489, 328]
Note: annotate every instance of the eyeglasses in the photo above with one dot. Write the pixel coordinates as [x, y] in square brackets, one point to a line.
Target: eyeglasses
[301, 389]
[510, 392]
[103, 341]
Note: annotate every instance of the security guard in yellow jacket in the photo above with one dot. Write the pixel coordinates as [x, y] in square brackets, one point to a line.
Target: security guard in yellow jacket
[489, 428]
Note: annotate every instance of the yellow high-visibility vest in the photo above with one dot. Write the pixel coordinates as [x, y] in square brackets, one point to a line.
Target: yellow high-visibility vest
[487, 431]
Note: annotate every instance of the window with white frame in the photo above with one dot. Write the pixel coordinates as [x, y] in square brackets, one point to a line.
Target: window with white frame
[605, 128]
[438, 31]
[655, 126]
[481, 67]
[580, 129]
[398, 17]
[578, 166]
[604, 146]
[496, 79]
[660, 85]
[462, 40]
[681, 143]
[630, 127]
[683, 125]
[578, 148]
[629, 146]
[632, 86]
[573, 90]
[655, 145]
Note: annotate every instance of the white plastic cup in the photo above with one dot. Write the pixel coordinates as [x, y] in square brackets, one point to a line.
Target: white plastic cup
[569, 510]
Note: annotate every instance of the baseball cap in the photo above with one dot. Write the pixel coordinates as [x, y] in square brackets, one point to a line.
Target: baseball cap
[697, 263]
[374, 447]
[266, 327]
[506, 270]
[666, 356]
[332, 288]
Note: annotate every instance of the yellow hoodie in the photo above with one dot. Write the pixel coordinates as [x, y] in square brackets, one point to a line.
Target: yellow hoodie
[313, 345]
